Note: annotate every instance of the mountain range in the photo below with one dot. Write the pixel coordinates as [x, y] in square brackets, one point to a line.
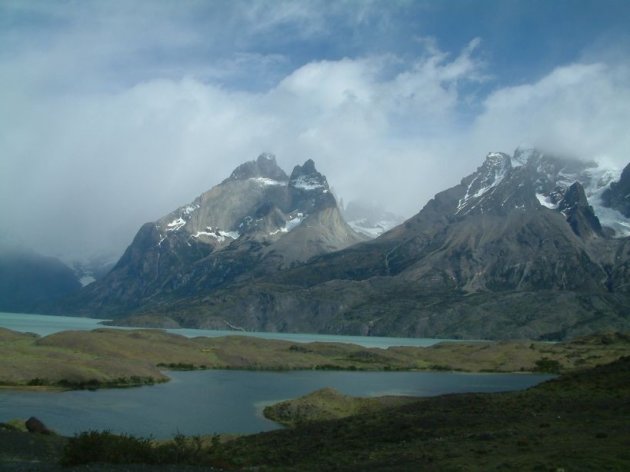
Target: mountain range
[528, 246]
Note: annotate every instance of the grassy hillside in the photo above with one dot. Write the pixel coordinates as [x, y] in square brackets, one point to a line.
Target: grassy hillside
[109, 357]
[579, 422]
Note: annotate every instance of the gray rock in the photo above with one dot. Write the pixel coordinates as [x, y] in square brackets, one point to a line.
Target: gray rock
[34, 425]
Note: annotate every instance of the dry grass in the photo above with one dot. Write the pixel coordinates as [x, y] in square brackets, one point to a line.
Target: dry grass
[110, 357]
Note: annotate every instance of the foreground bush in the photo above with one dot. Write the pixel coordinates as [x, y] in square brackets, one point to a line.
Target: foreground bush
[106, 447]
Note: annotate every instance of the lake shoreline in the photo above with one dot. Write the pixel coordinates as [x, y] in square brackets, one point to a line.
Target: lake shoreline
[110, 358]
[573, 422]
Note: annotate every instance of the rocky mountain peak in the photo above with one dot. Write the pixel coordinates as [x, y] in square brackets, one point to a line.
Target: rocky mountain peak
[494, 169]
[496, 160]
[573, 197]
[309, 189]
[526, 155]
[255, 222]
[617, 196]
[307, 177]
[579, 213]
[264, 166]
[625, 176]
[484, 182]
[532, 178]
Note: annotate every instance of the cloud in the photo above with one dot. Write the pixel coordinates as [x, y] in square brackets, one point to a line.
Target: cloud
[577, 110]
[92, 161]
[116, 113]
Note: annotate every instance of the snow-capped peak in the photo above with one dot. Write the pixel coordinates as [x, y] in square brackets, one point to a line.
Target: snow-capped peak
[488, 176]
[598, 182]
[552, 177]
[524, 154]
[306, 177]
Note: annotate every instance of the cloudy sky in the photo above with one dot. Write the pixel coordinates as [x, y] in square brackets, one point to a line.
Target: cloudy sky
[115, 112]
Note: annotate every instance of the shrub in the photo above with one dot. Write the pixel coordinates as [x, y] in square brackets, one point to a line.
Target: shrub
[109, 448]
[181, 450]
[548, 365]
[37, 382]
[103, 446]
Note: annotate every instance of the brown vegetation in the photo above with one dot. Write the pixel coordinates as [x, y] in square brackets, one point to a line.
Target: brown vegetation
[112, 357]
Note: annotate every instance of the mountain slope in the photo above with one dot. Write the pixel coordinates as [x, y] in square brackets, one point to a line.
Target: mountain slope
[27, 280]
[515, 250]
[257, 221]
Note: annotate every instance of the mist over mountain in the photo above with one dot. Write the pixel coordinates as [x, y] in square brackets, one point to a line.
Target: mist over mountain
[369, 218]
[523, 247]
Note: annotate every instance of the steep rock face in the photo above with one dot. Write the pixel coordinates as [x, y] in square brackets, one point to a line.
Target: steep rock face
[515, 250]
[257, 221]
[617, 196]
[579, 213]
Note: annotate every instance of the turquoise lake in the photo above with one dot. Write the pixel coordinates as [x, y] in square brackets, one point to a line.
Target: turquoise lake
[46, 324]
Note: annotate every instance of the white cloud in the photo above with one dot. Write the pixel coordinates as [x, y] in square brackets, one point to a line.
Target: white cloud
[91, 160]
[99, 132]
[580, 110]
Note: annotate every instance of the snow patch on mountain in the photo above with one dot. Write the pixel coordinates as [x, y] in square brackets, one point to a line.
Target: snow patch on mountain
[292, 223]
[598, 181]
[551, 177]
[370, 218]
[188, 209]
[306, 182]
[86, 280]
[555, 176]
[217, 234]
[266, 182]
[373, 229]
[546, 201]
[526, 156]
[613, 220]
[176, 224]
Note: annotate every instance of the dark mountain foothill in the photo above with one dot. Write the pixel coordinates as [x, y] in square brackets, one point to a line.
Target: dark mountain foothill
[28, 280]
